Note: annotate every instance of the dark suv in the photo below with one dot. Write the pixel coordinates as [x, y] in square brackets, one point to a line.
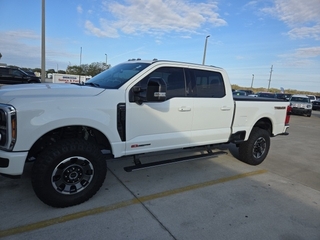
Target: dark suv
[10, 75]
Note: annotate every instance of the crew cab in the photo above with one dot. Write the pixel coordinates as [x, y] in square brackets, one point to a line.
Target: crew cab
[133, 108]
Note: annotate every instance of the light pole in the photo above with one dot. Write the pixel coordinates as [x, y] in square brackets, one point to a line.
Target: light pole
[80, 66]
[106, 59]
[205, 50]
[43, 42]
[252, 80]
[270, 77]
[80, 55]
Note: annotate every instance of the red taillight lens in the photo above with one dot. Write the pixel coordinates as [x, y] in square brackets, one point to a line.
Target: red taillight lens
[288, 115]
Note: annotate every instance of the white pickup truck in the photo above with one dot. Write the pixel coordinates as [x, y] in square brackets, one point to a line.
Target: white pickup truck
[133, 108]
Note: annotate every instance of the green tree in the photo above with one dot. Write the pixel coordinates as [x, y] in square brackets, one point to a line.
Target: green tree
[62, 71]
[96, 68]
[76, 70]
[51, 70]
[13, 66]
[87, 69]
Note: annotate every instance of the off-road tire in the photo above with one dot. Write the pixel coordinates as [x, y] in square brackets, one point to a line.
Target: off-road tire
[68, 173]
[256, 148]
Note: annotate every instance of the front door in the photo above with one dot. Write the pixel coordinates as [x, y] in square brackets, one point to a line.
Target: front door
[155, 126]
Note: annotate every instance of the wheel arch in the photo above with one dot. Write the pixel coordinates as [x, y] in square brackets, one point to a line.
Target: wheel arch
[69, 132]
[264, 123]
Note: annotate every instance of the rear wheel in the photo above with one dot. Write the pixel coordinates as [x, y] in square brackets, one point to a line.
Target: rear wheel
[256, 148]
[68, 173]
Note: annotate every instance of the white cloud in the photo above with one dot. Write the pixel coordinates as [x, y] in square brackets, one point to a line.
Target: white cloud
[104, 31]
[302, 17]
[306, 32]
[310, 52]
[79, 9]
[19, 43]
[23, 48]
[155, 17]
[301, 57]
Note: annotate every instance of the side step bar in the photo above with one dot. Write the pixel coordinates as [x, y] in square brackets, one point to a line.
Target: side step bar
[138, 165]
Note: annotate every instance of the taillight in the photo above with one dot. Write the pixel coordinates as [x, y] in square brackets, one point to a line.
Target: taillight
[288, 115]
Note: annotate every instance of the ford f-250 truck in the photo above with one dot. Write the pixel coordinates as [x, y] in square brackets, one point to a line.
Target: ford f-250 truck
[133, 108]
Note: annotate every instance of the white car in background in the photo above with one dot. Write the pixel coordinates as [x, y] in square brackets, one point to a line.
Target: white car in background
[312, 98]
[301, 104]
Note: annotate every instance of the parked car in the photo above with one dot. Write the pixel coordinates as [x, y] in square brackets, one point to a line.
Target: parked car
[247, 91]
[239, 93]
[300, 104]
[12, 75]
[312, 98]
[316, 104]
[265, 94]
[284, 96]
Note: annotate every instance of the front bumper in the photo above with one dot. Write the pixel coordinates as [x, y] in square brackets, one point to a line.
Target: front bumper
[12, 163]
[300, 111]
[316, 107]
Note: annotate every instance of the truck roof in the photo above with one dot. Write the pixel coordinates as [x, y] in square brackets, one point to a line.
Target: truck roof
[169, 61]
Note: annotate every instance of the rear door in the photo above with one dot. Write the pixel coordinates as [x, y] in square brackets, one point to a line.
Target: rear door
[154, 126]
[212, 108]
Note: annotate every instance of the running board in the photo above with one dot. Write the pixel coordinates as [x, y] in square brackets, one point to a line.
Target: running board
[139, 165]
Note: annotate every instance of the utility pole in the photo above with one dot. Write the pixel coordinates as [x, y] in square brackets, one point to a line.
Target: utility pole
[205, 50]
[80, 55]
[270, 77]
[252, 80]
[80, 66]
[43, 42]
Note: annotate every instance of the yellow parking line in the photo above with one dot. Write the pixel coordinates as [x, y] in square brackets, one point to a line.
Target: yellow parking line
[73, 216]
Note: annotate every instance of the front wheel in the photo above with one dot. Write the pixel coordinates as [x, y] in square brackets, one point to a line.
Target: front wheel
[256, 148]
[68, 173]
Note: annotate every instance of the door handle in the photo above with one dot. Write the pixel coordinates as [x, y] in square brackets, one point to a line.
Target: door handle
[225, 108]
[184, 109]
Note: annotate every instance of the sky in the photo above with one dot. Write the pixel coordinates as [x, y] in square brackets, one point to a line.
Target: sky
[267, 43]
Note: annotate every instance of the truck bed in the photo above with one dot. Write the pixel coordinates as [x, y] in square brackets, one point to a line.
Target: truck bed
[257, 99]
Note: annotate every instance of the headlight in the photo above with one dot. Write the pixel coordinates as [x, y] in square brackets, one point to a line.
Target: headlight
[309, 106]
[8, 127]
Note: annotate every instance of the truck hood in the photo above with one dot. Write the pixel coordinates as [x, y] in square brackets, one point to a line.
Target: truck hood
[300, 104]
[45, 90]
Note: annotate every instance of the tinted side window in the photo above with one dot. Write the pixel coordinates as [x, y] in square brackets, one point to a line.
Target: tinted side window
[208, 83]
[17, 73]
[174, 78]
[4, 71]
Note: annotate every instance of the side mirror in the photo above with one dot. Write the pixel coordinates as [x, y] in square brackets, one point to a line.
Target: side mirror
[139, 94]
[156, 90]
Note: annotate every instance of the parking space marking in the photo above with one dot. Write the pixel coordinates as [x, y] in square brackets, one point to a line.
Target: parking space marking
[78, 215]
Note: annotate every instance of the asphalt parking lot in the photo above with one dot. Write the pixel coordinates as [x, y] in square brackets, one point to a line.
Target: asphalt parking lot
[209, 198]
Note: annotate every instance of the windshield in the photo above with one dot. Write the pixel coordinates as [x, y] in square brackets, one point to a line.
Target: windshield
[116, 76]
[300, 99]
[312, 97]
